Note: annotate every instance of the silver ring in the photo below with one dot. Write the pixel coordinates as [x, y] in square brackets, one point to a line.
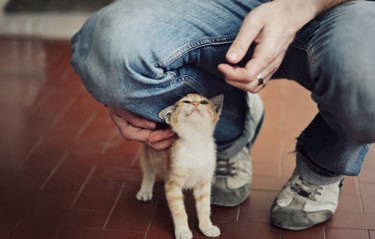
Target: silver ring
[260, 79]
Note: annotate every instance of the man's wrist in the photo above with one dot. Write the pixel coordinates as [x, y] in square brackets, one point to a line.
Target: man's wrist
[324, 5]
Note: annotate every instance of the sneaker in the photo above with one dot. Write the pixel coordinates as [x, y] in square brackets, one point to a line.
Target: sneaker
[233, 177]
[301, 204]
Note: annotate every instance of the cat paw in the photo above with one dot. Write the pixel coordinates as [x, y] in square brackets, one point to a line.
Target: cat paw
[212, 231]
[144, 196]
[184, 235]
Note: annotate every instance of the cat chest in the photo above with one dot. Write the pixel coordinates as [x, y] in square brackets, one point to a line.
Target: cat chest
[196, 168]
[198, 176]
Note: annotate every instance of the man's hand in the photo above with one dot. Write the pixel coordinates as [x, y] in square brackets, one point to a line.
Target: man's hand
[272, 27]
[133, 127]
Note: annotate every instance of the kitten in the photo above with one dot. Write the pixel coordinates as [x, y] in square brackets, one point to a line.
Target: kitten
[188, 164]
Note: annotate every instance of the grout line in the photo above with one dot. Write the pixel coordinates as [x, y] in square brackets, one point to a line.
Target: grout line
[283, 108]
[136, 157]
[152, 219]
[108, 143]
[32, 150]
[281, 158]
[84, 184]
[13, 230]
[90, 210]
[114, 206]
[85, 125]
[324, 231]
[238, 214]
[284, 89]
[57, 166]
[44, 99]
[57, 232]
[67, 107]
[359, 194]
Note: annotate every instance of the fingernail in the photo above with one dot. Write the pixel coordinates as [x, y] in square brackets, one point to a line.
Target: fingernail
[171, 133]
[233, 56]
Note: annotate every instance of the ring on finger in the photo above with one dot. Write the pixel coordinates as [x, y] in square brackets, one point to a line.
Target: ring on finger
[260, 79]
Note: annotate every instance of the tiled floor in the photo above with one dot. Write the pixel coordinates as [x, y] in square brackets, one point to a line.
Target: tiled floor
[66, 173]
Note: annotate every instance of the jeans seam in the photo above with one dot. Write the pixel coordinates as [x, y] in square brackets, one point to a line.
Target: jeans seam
[305, 47]
[184, 79]
[193, 46]
[192, 82]
[308, 46]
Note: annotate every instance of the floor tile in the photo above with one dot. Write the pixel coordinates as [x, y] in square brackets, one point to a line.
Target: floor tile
[372, 234]
[357, 220]
[103, 191]
[66, 172]
[129, 213]
[311, 233]
[257, 207]
[85, 218]
[8, 223]
[35, 227]
[346, 234]
[79, 233]
[368, 196]
[249, 230]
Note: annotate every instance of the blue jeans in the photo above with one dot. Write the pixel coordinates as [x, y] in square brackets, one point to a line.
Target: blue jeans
[143, 55]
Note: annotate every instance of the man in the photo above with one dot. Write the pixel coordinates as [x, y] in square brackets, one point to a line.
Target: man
[138, 57]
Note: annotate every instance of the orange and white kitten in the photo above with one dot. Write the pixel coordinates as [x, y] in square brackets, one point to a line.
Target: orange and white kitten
[188, 164]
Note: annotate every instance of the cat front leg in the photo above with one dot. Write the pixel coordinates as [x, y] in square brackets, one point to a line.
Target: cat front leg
[174, 195]
[202, 195]
[148, 180]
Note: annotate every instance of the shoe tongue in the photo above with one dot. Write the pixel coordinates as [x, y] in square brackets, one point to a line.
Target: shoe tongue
[285, 198]
[312, 177]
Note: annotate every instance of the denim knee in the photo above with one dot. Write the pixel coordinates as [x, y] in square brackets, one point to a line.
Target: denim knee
[342, 64]
[113, 56]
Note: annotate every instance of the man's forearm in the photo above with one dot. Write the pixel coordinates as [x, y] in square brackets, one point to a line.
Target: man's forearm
[309, 9]
[323, 5]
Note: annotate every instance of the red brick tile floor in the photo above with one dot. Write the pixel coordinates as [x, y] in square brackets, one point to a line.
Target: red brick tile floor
[65, 172]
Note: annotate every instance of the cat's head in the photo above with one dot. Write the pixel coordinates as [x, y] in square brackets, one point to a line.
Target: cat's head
[193, 109]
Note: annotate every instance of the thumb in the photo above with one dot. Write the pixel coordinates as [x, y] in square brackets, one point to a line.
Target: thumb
[249, 31]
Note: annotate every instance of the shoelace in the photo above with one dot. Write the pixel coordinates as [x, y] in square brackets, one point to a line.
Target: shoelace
[306, 189]
[225, 168]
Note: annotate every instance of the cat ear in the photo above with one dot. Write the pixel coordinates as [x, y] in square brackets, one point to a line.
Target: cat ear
[218, 102]
[166, 113]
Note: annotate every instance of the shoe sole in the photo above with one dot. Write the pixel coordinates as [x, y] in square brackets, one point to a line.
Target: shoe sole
[297, 220]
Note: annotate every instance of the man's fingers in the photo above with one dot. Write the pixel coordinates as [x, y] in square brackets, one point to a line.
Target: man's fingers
[130, 132]
[235, 73]
[249, 31]
[133, 119]
[160, 135]
[162, 145]
[256, 84]
[265, 54]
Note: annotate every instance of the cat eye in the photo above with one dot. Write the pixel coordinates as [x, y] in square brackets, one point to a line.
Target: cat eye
[204, 102]
[186, 101]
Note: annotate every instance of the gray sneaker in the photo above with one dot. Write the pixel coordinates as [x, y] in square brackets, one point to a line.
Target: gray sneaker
[233, 177]
[301, 204]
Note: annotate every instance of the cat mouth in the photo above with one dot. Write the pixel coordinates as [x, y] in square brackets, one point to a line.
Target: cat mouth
[194, 111]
